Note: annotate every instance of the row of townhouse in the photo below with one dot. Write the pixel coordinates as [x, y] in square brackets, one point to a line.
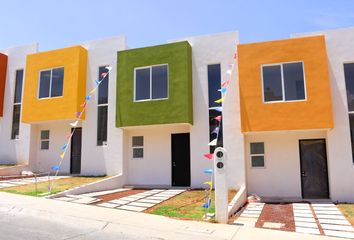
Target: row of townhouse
[287, 123]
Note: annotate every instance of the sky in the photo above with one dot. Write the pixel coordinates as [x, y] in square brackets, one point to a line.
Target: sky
[56, 24]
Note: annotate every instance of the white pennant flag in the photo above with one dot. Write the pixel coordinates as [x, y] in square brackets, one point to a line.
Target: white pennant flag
[109, 68]
[74, 124]
[228, 72]
[213, 143]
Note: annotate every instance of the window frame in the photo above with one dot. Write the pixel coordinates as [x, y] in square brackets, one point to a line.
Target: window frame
[256, 155]
[50, 82]
[104, 143]
[44, 140]
[151, 99]
[282, 82]
[349, 112]
[16, 137]
[137, 147]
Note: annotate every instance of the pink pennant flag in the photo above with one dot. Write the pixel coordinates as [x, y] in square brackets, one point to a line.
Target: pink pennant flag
[104, 75]
[235, 55]
[209, 156]
[83, 104]
[78, 114]
[224, 84]
[218, 118]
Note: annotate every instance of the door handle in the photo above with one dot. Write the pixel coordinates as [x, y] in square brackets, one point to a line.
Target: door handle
[303, 174]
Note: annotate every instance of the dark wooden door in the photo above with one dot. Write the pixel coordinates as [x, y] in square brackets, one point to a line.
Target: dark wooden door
[75, 156]
[181, 169]
[314, 175]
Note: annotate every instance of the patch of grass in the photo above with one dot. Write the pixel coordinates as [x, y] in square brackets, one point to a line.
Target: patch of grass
[58, 186]
[6, 165]
[348, 211]
[187, 205]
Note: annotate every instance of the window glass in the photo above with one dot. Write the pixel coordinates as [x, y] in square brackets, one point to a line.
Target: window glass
[257, 161]
[351, 123]
[16, 121]
[102, 125]
[138, 152]
[349, 83]
[44, 139]
[272, 83]
[103, 87]
[214, 84]
[44, 134]
[44, 145]
[294, 81]
[18, 86]
[142, 84]
[138, 141]
[57, 82]
[159, 82]
[257, 148]
[44, 84]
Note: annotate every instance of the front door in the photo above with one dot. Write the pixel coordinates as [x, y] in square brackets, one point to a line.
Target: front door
[313, 161]
[75, 157]
[181, 169]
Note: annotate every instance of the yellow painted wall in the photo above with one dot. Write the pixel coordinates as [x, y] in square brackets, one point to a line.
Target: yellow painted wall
[315, 113]
[74, 61]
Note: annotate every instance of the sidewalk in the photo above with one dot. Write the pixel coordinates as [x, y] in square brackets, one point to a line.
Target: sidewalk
[49, 219]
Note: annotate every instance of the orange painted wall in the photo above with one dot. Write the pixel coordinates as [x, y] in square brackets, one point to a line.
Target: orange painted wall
[3, 68]
[315, 113]
[74, 61]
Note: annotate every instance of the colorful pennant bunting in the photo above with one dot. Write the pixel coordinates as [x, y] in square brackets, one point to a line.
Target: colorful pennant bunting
[55, 168]
[78, 114]
[223, 90]
[219, 109]
[218, 118]
[74, 124]
[210, 183]
[228, 72]
[208, 171]
[109, 68]
[64, 147]
[225, 84]
[235, 56]
[216, 130]
[88, 97]
[62, 155]
[219, 100]
[209, 156]
[213, 143]
[104, 75]
[207, 204]
[97, 82]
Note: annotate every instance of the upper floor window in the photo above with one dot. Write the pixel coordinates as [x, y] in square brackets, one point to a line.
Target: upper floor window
[283, 82]
[51, 83]
[349, 84]
[151, 83]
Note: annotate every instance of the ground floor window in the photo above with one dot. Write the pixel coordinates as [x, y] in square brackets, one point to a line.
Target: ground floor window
[138, 147]
[44, 139]
[15, 130]
[257, 154]
[351, 123]
[215, 128]
[102, 112]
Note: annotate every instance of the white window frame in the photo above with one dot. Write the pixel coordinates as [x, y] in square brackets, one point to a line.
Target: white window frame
[50, 83]
[151, 99]
[104, 143]
[255, 155]
[44, 140]
[282, 82]
[137, 147]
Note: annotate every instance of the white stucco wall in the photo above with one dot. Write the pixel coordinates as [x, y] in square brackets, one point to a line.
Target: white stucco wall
[206, 50]
[340, 47]
[281, 176]
[14, 151]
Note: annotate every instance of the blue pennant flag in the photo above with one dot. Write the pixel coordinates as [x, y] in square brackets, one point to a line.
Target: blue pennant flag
[97, 82]
[88, 98]
[209, 171]
[55, 168]
[207, 204]
[223, 90]
[219, 109]
[64, 147]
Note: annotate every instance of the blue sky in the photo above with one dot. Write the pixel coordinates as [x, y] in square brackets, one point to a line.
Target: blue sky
[56, 24]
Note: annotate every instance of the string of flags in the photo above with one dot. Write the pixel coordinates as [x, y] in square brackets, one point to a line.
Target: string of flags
[209, 156]
[74, 124]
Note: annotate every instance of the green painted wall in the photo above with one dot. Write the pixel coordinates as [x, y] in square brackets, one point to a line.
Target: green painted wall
[178, 108]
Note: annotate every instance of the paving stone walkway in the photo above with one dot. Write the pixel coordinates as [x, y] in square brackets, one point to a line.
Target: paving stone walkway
[24, 181]
[137, 202]
[314, 218]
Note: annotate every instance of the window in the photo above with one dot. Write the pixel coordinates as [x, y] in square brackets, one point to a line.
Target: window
[138, 147]
[102, 107]
[51, 83]
[283, 82]
[349, 84]
[214, 84]
[44, 139]
[151, 83]
[16, 114]
[257, 154]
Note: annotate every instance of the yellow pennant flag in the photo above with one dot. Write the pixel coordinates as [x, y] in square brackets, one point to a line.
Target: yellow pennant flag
[93, 90]
[62, 155]
[210, 183]
[220, 100]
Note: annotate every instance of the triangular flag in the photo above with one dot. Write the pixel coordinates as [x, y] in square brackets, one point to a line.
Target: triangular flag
[209, 171]
[209, 156]
[216, 130]
[97, 82]
[55, 168]
[68, 136]
[228, 72]
[83, 104]
[219, 109]
[235, 55]
[78, 114]
[64, 147]
[103, 75]
[207, 204]
[223, 90]
[88, 97]
[92, 91]
[62, 155]
[212, 143]
[210, 183]
[74, 124]
[226, 83]
[109, 68]
[231, 65]
[219, 100]
[218, 118]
